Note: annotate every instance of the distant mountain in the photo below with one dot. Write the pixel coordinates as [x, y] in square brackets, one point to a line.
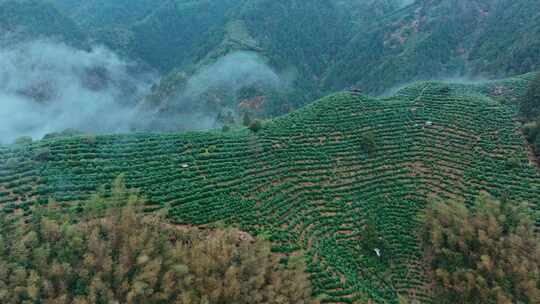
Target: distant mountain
[378, 45]
[319, 46]
[180, 36]
[375, 44]
[31, 19]
[166, 34]
[440, 39]
[297, 38]
[509, 41]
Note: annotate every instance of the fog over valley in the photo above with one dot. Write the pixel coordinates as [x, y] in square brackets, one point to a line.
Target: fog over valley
[47, 86]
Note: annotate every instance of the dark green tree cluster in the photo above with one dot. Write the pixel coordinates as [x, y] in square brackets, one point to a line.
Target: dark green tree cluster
[368, 142]
[254, 125]
[530, 109]
[111, 253]
[490, 254]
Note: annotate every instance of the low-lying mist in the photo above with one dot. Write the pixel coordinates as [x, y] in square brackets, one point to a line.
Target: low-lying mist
[205, 93]
[47, 86]
[455, 78]
[233, 72]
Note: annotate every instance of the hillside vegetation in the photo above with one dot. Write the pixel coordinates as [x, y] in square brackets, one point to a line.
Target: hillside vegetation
[530, 112]
[105, 251]
[486, 254]
[337, 179]
[30, 19]
[317, 46]
[439, 39]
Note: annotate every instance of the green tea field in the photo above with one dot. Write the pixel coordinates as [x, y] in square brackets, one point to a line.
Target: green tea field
[338, 179]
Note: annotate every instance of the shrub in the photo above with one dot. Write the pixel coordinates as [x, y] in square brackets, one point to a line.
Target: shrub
[89, 139]
[532, 133]
[246, 119]
[70, 132]
[51, 135]
[514, 162]
[42, 154]
[367, 142]
[255, 126]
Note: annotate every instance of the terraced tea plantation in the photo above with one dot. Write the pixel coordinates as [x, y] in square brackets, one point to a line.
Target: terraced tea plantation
[338, 179]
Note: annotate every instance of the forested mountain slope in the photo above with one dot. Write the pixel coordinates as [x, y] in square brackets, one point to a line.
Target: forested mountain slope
[509, 40]
[442, 39]
[30, 19]
[337, 179]
[318, 46]
[166, 34]
[375, 45]
[297, 37]
[301, 40]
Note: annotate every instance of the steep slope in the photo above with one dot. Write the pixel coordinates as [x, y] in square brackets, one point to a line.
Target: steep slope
[425, 40]
[165, 34]
[508, 43]
[439, 38]
[322, 45]
[306, 36]
[31, 19]
[174, 33]
[199, 23]
[377, 45]
[336, 179]
[296, 38]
